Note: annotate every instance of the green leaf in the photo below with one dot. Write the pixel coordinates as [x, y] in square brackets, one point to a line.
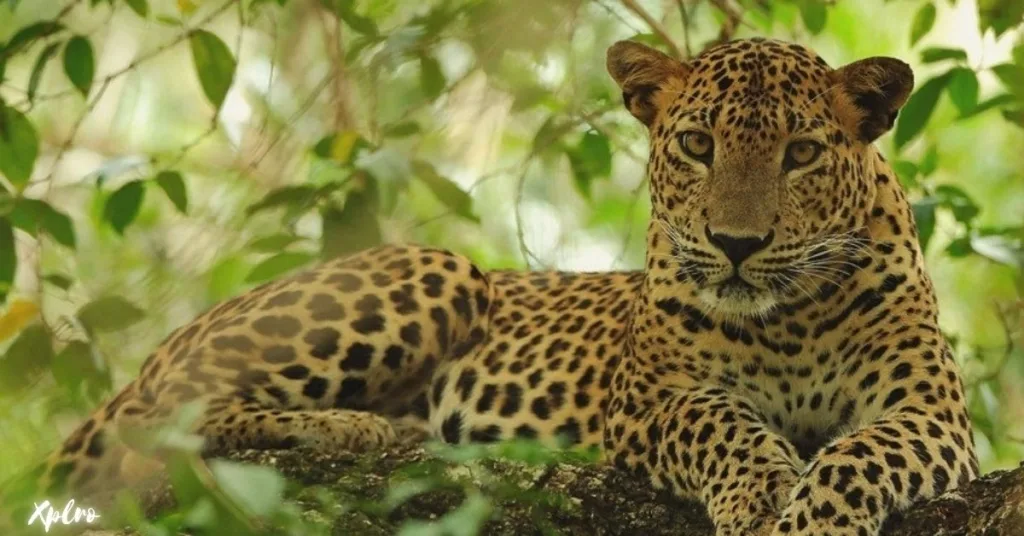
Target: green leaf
[33, 215]
[60, 281]
[937, 54]
[344, 10]
[37, 71]
[401, 130]
[77, 364]
[80, 64]
[923, 22]
[988, 104]
[547, 136]
[1014, 116]
[340, 147]
[8, 258]
[589, 159]
[29, 34]
[961, 247]
[963, 89]
[258, 490]
[278, 265]
[924, 216]
[214, 64]
[1000, 15]
[140, 7]
[930, 161]
[432, 79]
[273, 243]
[963, 207]
[123, 205]
[355, 227]
[1012, 76]
[109, 313]
[28, 356]
[19, 146]
[814, 14]
[301, 196]
[445, 190]
[906, 171]
[173, 185]
[919, 109]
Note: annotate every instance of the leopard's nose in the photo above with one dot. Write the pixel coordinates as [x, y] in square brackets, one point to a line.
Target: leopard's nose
[738, 248]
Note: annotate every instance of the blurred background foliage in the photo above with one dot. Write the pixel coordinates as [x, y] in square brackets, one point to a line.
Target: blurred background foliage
[157, 156]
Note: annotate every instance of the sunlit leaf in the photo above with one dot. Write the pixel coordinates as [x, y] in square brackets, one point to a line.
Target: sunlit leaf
[19, 146]
[18, 314]
[340, 147]
[37, 71]
[123, 205]
[999, 249]
[923, 22]
[918, 110]
[278, 265]
[445, 190]
[140, 7]
[80, 64]
[214, 64]
[936, 54]
[173, 185]
[33, 215]
[109, 313]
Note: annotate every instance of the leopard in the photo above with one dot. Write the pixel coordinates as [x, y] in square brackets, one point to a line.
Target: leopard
[778, 357]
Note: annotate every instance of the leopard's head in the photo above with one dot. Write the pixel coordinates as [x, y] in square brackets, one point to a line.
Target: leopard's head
[761, 165]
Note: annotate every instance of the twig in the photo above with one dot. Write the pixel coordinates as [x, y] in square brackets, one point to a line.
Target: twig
[685, 16]
[656, 27]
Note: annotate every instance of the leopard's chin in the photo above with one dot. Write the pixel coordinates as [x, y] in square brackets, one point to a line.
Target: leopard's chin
[737, 297]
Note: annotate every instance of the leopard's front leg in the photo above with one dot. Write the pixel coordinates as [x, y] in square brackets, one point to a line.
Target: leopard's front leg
[920, 446]
[707, 443]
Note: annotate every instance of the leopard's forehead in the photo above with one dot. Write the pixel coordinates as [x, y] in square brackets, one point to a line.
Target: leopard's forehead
[760, 84]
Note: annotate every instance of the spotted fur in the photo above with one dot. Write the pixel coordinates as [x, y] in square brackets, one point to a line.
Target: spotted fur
[778, 358]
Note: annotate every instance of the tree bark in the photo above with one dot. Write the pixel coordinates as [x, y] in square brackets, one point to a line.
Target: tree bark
[592, 500]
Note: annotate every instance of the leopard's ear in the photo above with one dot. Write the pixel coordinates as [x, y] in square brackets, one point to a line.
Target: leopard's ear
[870, 94]
[647, 78]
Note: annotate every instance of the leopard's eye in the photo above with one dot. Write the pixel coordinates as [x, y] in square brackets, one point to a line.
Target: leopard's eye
[697, 145]
[801, 153]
